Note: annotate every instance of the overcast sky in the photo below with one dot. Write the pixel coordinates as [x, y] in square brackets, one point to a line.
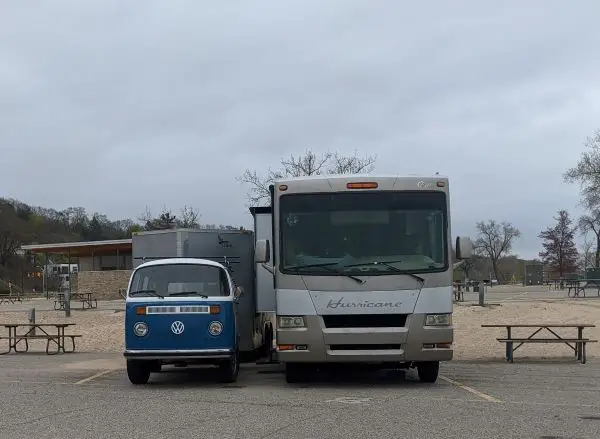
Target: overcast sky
[116, 105]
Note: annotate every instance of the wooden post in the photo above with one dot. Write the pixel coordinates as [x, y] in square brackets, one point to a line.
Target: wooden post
[67, 297]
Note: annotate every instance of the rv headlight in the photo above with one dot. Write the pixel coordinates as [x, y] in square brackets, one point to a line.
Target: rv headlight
[215, 328]
[438, 319]
[140, 329]
[291, 322]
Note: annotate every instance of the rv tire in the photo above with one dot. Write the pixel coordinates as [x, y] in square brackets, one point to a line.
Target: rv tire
[267, 346]
[138, 371]
[229, 370]
[428, 371]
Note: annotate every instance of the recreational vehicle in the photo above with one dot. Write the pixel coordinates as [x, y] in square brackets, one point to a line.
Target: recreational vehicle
[360, 271]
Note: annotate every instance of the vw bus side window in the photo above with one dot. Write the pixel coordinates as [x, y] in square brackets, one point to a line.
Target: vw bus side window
[182, 280]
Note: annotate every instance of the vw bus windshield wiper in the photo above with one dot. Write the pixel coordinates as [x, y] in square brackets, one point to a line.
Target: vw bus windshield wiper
[389, 265]
[189, 293]
[150, 292]
[328, 267]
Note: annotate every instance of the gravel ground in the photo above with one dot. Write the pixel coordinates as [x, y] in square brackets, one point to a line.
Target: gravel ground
[102, 329]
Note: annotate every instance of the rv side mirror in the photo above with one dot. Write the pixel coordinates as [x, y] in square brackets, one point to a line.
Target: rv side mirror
[464, 248]
[262, 252]
[123, 293]
[238, 292]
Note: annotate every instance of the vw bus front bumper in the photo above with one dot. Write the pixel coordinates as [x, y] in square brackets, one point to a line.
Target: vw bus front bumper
[177, 354]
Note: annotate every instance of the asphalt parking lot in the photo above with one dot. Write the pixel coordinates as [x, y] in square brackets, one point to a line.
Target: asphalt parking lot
[89, 396]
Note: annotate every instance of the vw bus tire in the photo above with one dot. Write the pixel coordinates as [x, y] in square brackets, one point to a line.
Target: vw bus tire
[428, 371]
[138, 372]
[295, 372]
[228, 371]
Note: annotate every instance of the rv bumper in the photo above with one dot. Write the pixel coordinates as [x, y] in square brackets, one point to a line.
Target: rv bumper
[178, 354]
[412, 343]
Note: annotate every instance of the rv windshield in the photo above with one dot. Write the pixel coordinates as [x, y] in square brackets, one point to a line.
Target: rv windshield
[363, 233]
[180, 280]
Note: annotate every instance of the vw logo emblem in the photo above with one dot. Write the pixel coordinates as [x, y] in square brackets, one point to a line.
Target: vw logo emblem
[177, 327]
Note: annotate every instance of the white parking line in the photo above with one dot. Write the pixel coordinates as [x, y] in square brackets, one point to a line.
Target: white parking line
[514, 297]
[96, 375]
[485, 396]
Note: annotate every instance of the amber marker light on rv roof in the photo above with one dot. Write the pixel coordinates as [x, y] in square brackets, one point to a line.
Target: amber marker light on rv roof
[283, 187]
[441, 184]
[362, 185]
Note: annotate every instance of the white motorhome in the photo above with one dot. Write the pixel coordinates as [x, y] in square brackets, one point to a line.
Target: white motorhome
[361, 270]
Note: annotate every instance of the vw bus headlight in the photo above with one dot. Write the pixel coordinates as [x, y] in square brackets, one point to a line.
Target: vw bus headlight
[291, 322]
[215, 328]
[438, 319]
[140, 329]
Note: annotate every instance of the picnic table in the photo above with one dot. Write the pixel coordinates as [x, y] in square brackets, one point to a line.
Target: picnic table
[37, 331]
[87, 300]
[8, 297]
[554, 283]
[579, 287]
[458, 290]
[579, 342]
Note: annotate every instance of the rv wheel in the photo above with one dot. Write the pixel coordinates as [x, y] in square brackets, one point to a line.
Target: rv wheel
[138, 372]
[228, 371]
[428, 371]
[267, 347]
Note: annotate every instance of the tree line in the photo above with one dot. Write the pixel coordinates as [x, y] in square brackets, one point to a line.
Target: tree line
[21, 224]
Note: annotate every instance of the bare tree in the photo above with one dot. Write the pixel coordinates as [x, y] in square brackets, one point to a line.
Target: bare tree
[351, 164]
[188, 218]
[310, 163]
[495, 240]
[591, 223]
[587, 172]
[165, 220]
[587, 257]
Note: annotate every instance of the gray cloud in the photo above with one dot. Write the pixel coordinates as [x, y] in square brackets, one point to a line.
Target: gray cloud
[115, 106]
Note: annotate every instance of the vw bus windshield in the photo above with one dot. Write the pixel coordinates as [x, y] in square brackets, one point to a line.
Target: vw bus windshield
[180, 280]
[370, 233]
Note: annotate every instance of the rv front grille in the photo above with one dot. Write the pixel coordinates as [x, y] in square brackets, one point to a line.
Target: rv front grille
[365, 321]
[364, 347]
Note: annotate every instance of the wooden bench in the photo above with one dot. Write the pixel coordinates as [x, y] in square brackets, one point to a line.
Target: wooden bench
[59, 338]
[578, 344]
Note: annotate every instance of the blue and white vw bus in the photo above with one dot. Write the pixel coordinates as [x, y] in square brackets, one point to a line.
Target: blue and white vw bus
[181, 311]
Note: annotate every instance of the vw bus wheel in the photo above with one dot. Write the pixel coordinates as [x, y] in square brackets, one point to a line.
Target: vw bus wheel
[138, 372]
[428, 371]
[230, 369]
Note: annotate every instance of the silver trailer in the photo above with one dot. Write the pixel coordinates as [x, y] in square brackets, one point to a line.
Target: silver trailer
[232, 248]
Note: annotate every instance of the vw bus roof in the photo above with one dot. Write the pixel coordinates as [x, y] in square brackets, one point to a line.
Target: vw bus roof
[191, 261]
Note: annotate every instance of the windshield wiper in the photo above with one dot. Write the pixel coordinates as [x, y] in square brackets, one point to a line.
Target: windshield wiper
[328, 267]
[150, 292]
[189, 293]
[389, 265]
